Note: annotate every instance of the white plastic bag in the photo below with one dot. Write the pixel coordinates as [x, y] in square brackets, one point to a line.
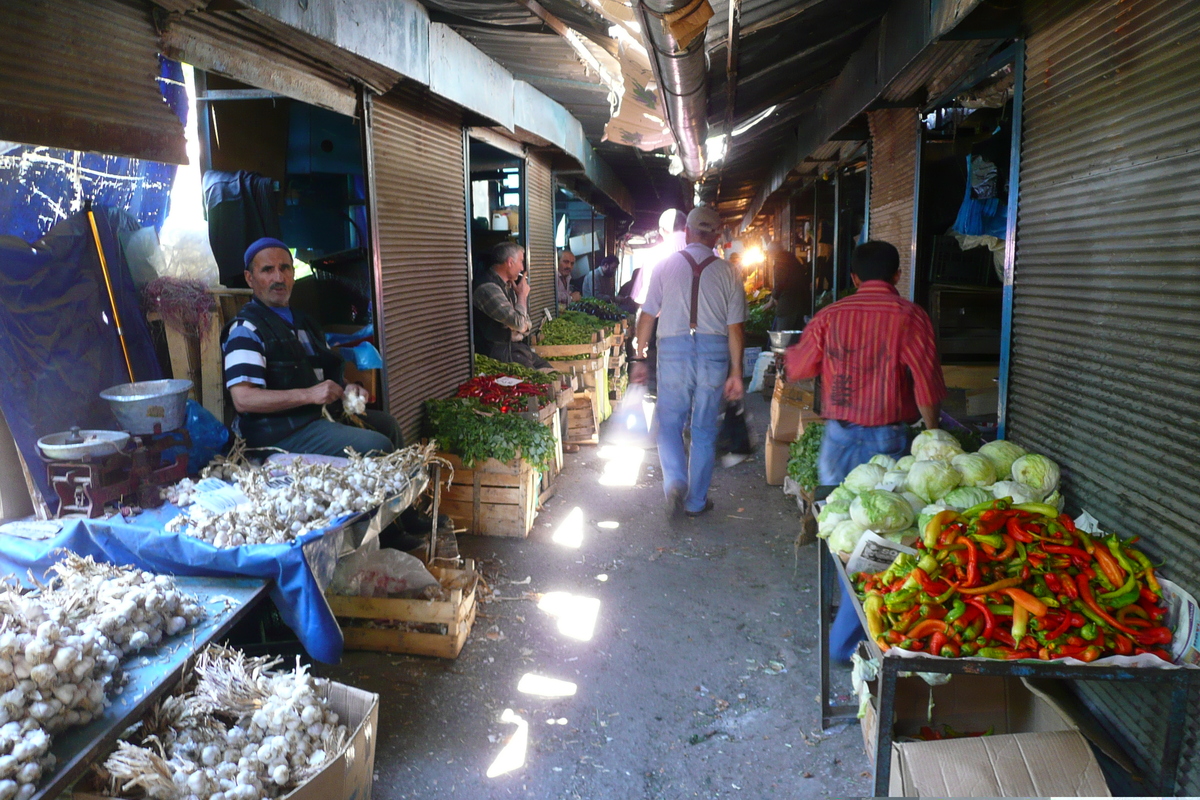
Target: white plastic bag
[374, 572]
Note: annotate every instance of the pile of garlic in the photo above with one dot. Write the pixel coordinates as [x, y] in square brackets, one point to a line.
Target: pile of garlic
[59, 647]
[241, 732]
[307, 497]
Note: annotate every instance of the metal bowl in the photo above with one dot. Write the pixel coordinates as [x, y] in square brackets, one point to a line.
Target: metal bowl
[96, 443]
[149, 406]
[782, 340]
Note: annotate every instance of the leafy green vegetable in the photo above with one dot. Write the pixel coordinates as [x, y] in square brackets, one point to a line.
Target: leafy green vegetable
[932, 480]
[475, 433]
[935, 445]
[565, 331]
[864, 477]
[759, 320]
[964, 497]
[1002, 454]
[490, 366]
[1037, 472]
[882, 512]
[803, 454]
[600, 309]
[976, 470]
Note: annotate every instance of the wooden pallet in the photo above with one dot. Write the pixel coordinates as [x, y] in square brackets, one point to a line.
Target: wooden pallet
[493, 498]
[457, 614]
[582, 424]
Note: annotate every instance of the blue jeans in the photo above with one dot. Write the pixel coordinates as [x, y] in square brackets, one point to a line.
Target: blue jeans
[843, 448]
[692, 370]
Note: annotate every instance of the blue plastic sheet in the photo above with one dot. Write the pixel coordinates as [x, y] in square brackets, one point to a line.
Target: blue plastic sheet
[299, 571]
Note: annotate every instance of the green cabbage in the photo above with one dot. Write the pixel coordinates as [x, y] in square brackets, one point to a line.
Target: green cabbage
[831, 514]
[1017, 492]
[927, 513]
[932, 480]
[1002, 454]
[976, 470]
[1037, 472]
[841, 493]
[844, 537]
[964, 497]
[935, 445]
[905, 464]
[881, 511]
[893, 481]
[864, 477]
[905, 537]
[885, 461]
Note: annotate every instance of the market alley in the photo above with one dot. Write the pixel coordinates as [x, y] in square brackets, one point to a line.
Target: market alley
[699, 678]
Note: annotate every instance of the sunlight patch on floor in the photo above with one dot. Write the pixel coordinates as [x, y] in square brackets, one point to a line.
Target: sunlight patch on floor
[543, 686]
[570, 531]
[512, 755]
[622, 465]
[576, 615]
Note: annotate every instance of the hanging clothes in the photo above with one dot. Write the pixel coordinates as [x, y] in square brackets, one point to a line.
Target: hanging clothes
[241, 209]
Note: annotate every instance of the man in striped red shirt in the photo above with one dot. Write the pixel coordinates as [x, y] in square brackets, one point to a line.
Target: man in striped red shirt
[877, 357]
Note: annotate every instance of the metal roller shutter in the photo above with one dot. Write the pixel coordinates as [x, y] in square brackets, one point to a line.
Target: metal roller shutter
[893, 161]
[539, 197]
[82, 75]
[420, 238]
[1106, 293]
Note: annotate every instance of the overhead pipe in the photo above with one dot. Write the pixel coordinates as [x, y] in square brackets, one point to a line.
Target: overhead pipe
[682, 75]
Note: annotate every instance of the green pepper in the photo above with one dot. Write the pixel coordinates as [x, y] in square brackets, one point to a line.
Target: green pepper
[967, 649]
[1126, 599]
[972, 631]
[928, 564]
[994, 652]
[1002, 610]
[956, 611]
[1114, 547]
[1129, 585]
[993, 539]
[1088, 631]
[979, 508]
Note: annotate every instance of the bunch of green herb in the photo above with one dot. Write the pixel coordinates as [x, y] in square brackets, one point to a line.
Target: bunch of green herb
[803, 454]
[583, 320]
[759, 320]
[475, 433]
[565, 331]
[490, 366]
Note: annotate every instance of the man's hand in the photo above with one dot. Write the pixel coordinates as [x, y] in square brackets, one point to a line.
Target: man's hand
[324, 392]
[639, 373]
[734, 389]
[521, 287]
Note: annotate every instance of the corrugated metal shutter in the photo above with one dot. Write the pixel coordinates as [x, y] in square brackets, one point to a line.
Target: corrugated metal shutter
[1106, 307]
[82, 74]
[420, 236]
[539, 208]
[893, 164]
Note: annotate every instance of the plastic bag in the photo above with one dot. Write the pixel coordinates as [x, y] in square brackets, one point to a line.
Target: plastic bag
[372, 571]
[629, 418]
[734, 436]
[208, 436]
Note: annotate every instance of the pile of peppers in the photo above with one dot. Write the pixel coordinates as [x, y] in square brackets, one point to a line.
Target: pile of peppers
[1016, 581]
[500, 397]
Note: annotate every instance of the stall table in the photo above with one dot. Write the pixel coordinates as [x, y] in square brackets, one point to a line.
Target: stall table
[150, 674]
[1178, 681]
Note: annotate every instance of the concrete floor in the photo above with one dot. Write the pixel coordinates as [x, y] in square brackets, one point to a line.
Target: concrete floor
[700, 679]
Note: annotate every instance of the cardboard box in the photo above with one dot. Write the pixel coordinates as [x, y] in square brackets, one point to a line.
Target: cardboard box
[1035, 750]
[777, 458]
[749, 359]
[352, 773]
[791, 410]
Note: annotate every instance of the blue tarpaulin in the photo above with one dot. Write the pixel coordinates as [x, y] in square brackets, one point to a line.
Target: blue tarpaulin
[298, 570]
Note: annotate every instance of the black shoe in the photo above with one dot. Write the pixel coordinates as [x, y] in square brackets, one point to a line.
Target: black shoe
[708, 506]
[675, 498]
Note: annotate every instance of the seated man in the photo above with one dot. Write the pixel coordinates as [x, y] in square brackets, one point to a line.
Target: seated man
[501, 301]
[601, 283]
[280, 372]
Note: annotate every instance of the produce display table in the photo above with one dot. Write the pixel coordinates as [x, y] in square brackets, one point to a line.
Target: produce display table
[829, 568]
[151, 673]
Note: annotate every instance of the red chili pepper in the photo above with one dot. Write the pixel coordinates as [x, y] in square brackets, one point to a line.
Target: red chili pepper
[972, 562]
[1027, 601]
[989, 622]
[1124, 645]
[1052, 582]
[990, 521]
[1066, 522]
[1090, 653]
[1078, 620]
[928, 584]
[1063, 626]
[1109, 566]
[1010, 547]
[1148, 596]
[1025, 571]
[926, 627]
[1061, 548]
[1004, 637]
[1152, 636]
[1076, 641]
[1085, 593]
[936, 641]
[1017, 532]
[1068, 586]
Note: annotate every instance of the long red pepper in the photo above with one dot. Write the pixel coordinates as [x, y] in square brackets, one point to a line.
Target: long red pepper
[989, 621]
[1085, 593]
[1017, 532]
[1064, 549]
[972, 562]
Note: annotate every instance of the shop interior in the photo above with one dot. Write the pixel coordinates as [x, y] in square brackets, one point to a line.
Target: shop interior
[274, 166]
[581, 228]
[497, 200]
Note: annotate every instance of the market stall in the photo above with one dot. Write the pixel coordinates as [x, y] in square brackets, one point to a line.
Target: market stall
[964, 563]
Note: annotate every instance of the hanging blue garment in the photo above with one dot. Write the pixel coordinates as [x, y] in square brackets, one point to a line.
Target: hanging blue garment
[980, 217]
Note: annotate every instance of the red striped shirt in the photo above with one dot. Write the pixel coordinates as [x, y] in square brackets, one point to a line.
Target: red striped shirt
[876, 355]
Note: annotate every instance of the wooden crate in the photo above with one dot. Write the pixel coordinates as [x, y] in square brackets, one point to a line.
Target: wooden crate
[582, 424]
[457, 614]
[582, 365]
[596, 383]
[493, 498]
[549, 351]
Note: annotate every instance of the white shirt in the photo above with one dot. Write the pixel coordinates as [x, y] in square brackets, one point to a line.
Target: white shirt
[721, 302]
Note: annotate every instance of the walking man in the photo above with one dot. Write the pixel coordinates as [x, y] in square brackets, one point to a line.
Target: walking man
[877, 357]
[701, 307]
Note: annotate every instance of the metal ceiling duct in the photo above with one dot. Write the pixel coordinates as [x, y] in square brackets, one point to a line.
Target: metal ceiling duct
[682, 73]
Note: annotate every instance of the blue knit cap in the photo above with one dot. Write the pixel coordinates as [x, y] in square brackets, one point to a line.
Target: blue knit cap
[260, 245]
